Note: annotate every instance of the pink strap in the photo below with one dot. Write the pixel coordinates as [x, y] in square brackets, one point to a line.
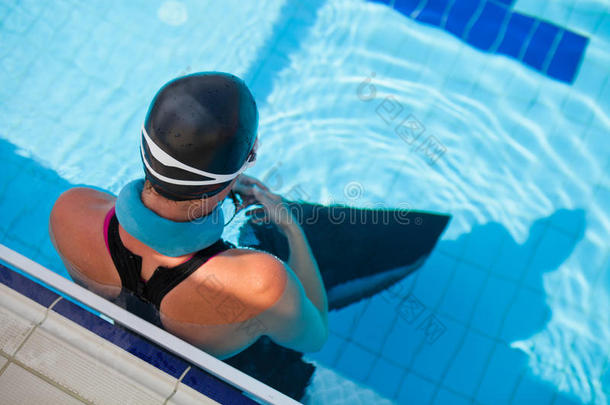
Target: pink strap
[106, 225]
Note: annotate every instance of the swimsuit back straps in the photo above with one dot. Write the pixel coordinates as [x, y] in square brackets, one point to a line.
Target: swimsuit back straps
[164, 279]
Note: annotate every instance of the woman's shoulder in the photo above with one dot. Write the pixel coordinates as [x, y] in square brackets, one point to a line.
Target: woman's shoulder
[231, 287]
[76, 229]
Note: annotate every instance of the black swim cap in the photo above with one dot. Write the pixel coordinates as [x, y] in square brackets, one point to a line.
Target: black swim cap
[198, 135]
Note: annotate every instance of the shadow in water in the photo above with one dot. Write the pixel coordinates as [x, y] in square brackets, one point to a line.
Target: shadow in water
[500, 298]
[451, 322]
[448, 328]
[28, 192]
[292, 25]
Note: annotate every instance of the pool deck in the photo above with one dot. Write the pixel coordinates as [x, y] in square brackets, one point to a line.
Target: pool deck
[47, 358]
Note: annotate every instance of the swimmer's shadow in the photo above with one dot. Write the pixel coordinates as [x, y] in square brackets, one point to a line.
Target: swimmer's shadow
[486, 288]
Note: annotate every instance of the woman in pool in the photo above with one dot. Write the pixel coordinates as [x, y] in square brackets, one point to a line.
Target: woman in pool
[157, 248]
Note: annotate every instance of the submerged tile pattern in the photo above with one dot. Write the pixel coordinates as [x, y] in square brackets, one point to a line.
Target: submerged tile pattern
[483, 302]
[491, 26]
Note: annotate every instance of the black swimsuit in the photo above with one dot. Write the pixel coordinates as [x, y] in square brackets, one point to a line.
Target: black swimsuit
[163, 280]
[274, 365]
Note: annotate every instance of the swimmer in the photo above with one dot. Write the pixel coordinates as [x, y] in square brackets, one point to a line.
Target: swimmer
[159, 242]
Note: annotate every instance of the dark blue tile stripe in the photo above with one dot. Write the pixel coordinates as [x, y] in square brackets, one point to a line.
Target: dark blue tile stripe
[540, 44]
[459, 15]
[568, 56]
[486, 29]
[506, 2]
[491, 25]
[27, 287]
[406, 7]
[433, 12]
[140, 347]
[517, 32]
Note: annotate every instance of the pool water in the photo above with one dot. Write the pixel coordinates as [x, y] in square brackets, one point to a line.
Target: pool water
[366, 103]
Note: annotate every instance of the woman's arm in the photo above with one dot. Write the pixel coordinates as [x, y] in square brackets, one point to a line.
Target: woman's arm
[301, 259]
[303, 263]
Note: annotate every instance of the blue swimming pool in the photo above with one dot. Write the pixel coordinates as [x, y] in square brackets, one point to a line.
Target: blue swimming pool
[495, 111]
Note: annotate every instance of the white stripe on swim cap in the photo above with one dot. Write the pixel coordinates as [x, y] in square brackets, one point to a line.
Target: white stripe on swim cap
[166, 160]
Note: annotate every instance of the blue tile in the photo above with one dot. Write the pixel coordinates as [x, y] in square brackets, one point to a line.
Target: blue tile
[577, 109]
[516, 34]
[4, 11]
[487, 27]
[567, 399]
[554, 248]
[214, 388]
[591, 76]
[432, 359]
[402, 342]
[533, 279]
[467, 368]
[375, 323]
[602, 196]
[566, 61]
[502, 375]
[542, 112]
[527, 315]
[16, 243]
[445, 397]
[540, 44]
[460, 14]
[344, 321]
[386, 378]
[10, 172]
[331, 349]
[433, 12]
[596, 142]
[27, 287]
[19, 20]
[416, 390]
[514, 259]
[463, 291]
[484, 244]
[495, 300]
[433, 277]
[457, 246]
[10, 200]
[32, 224]
[355, 362]
[532, 390]
[405, 7]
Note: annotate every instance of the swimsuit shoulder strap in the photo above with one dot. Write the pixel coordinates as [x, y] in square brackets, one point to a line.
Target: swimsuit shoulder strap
[164, 279]
[128, 265]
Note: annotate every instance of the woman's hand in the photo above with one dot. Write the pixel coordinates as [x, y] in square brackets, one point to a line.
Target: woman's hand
[244, 187]
[274, 209]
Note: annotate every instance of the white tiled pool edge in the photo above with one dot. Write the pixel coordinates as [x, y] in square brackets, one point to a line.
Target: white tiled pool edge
[69, 364]
[193, 355]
